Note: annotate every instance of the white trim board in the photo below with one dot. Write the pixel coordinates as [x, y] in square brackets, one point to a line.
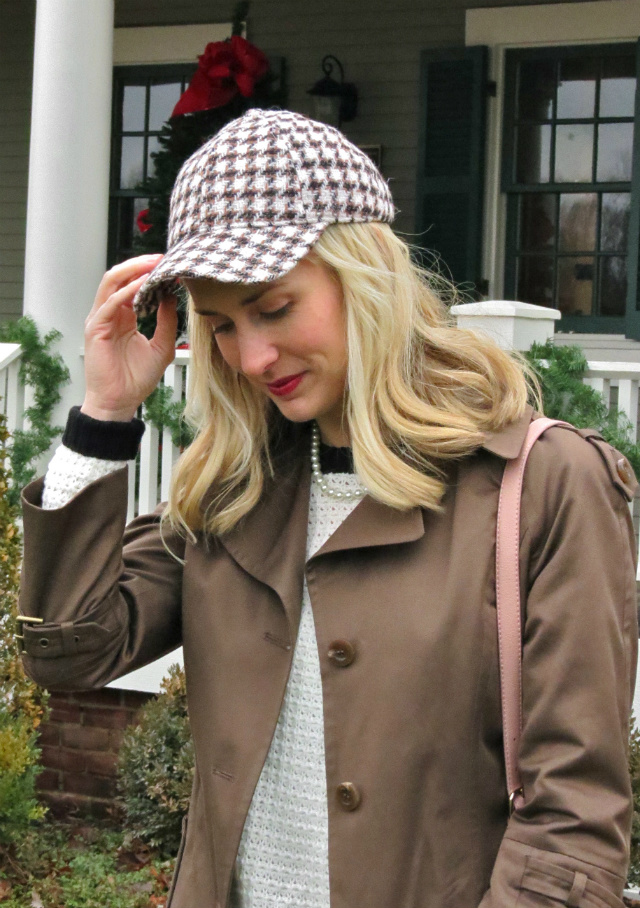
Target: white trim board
[165, 43]
[554, 23]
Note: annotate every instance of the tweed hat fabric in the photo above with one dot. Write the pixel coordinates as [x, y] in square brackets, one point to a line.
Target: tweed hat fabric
[252, 201]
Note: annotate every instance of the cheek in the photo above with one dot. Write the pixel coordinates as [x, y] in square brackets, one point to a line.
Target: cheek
[227, 350]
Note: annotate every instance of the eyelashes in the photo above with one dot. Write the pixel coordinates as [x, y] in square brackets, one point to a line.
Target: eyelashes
[272, 316]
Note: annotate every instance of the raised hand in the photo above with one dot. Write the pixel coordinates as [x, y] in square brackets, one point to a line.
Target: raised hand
[122, 366]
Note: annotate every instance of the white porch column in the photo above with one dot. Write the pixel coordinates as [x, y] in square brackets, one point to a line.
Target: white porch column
[68, 195]
[513, 325]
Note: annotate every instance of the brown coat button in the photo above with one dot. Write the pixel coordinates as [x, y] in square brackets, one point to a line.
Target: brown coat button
[348, 796]
[341, 653]
[624, 470]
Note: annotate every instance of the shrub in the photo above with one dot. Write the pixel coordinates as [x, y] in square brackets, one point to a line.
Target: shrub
[560, 371]
[22, 704]
[156, 765]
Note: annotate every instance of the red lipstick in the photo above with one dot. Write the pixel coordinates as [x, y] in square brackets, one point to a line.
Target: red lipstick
[283, 386]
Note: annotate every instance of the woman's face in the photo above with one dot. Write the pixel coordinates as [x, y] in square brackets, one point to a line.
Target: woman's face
[286, 337]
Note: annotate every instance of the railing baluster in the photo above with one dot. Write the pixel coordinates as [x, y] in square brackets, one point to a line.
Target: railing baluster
[148, 491]
[14, 403]
[628, 403]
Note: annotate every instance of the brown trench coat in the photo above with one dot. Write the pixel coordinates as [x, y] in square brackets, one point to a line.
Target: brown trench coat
[413, 722]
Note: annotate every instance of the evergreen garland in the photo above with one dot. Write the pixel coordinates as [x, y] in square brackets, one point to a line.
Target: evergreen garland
[162, 412]
[46, 373]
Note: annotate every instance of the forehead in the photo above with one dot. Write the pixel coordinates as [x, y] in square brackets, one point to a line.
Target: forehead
[217, 297]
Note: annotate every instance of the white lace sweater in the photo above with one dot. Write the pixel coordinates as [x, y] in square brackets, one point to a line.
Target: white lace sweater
[283, 855]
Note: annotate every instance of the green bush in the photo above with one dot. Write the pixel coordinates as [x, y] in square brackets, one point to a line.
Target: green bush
[18, 770]
[22, 704]
[78, 865]
[156, 765]
[561, 371]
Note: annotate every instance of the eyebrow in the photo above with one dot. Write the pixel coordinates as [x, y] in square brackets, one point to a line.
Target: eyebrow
[252, 298]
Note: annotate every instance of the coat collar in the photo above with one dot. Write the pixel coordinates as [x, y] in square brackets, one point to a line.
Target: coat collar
[270, 542]
[507, 442]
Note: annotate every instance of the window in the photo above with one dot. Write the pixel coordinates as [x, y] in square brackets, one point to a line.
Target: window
[568, 152]
[143, 98]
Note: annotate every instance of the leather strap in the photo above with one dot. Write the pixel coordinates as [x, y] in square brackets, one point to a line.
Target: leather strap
[508, 605]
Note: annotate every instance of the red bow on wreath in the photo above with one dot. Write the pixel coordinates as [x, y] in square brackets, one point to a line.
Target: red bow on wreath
[224, 69]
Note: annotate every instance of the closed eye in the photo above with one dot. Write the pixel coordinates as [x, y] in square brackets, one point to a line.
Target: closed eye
[225, 328]
[276, 314]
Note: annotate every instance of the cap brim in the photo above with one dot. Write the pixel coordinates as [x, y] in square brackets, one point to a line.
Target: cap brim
[248, 255]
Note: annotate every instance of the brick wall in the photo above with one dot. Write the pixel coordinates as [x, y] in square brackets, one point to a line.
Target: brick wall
[79, 749]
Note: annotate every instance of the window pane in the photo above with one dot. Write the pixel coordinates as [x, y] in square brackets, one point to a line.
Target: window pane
[613, 285]
[152, 147]
[575, 286]
[615, 151]
[533, 156]
[618, 87]
[578, 212]
[162, 100]
[537, 89]
[535, 280]
[577, 88]
[574, 154]
[614, 228]
[131, 162]
[537, 221]
[133, 108]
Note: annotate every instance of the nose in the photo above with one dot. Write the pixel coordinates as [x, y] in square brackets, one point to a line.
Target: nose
[256, 353]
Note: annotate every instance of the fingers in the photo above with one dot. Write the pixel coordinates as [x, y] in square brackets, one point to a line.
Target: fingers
[123, 298]
[164, 338]
[121, 275]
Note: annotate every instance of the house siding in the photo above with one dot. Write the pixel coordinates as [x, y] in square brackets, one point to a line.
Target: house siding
[377, 41]
[17, 29]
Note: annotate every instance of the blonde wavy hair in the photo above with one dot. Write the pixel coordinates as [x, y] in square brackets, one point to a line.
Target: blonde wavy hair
[421, 392]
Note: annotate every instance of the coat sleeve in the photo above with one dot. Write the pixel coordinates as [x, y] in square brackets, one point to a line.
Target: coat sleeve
[569, 844]
[109, 598]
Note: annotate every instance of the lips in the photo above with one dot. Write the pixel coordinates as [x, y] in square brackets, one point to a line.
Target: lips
[284, 386]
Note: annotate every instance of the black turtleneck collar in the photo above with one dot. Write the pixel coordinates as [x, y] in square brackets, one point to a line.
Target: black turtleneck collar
[335, 460]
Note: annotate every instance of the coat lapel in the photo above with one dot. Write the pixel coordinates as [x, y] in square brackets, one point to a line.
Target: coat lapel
[270, 542]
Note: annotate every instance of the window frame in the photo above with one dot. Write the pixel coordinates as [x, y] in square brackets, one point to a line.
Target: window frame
[512, 190]
[123, 76]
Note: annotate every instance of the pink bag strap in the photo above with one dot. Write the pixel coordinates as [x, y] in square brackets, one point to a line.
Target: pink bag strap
[508, 605]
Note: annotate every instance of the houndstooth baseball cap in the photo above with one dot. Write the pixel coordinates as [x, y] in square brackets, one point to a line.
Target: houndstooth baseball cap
[252, 201]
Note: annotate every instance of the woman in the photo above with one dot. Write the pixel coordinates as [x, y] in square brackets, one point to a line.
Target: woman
[326, 559]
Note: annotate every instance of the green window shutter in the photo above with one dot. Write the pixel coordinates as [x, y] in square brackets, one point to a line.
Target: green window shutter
[632, 316]
[451, 159]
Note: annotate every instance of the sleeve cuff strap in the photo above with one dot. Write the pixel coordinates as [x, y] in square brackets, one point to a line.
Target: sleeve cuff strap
[104, 439]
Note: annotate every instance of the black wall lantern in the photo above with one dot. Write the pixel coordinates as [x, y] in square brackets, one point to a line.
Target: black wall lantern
[334, 102]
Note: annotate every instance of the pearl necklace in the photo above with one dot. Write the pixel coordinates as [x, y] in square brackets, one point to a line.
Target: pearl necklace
[317, 474]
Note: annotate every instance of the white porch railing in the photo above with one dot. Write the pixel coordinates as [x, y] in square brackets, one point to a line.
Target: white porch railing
[149, 482]
[11, 391]
[607, 378]
[618, 382]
